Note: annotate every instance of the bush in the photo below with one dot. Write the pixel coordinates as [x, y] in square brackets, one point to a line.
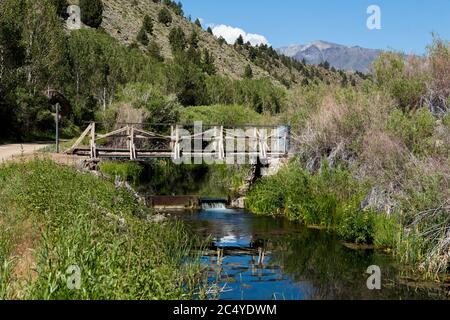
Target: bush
[148, 24]
[91, 12]
[357, 226]
[164, 16]
[142, 37]
[315, 199]
[406, 87]
[415, 128]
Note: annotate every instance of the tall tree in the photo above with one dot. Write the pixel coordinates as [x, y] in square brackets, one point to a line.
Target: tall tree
[208, 63]
[248, 72]
[239, 41]
[177, 39]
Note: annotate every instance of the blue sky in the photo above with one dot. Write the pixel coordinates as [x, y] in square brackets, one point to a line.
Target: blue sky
[406, 24]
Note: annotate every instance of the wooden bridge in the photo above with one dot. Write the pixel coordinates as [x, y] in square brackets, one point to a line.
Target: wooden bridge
[140, 142]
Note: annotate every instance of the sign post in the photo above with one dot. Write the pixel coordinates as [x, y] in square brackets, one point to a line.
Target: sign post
[57, 106]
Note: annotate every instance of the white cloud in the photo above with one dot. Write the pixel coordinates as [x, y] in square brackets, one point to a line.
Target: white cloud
[230, 34]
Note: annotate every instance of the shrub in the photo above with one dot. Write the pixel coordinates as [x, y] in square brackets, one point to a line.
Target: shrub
[142, 37]
[415, 128]
[148, 24]
[91, 12]
[315, 199]
[406, 87]
[357, 226]
[164, 16]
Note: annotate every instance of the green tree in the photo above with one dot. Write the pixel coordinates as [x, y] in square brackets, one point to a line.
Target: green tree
[148, 24]
[154, 51]
[91, 12]
[193, 39]
[198, 23]
[177, 39]
[165, 17]
[208, 63]
[188, 81]
[209, 30]
[142, 37]
[239, 41]
[248, 72]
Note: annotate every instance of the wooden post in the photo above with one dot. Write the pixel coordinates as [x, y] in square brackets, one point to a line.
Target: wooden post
[221, 144]
[132, 146]
[176, 147]
[93, 143]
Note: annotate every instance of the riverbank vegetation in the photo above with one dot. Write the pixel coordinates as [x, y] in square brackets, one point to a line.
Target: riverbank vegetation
[373, 161]
[54, 218]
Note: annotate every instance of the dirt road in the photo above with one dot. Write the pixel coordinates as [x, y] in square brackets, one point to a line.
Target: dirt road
[10, 151]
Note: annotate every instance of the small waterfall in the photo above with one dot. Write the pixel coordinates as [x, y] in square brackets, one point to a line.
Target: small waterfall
[213, 204]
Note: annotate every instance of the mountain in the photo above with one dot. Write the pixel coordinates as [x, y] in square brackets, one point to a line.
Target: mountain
[339, 56]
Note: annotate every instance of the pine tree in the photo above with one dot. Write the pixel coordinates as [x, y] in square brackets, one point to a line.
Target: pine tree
[177, 39]
[164, 16]
[91, 12]
[248, 72]
[142, 37]
[193, 39]
[239, 41]
[154, 51]
[198, 23]
[208, 63]
[148, 24]
[209, 30]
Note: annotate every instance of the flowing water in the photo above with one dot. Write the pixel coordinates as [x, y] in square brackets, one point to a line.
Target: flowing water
[265, 258]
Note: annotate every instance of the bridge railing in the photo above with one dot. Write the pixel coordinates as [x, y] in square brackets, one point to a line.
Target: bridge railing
[215, 142]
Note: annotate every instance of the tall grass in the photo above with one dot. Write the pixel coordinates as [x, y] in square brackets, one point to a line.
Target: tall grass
[78, 219]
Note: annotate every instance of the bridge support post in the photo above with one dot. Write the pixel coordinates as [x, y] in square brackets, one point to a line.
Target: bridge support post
[93, 146]
[175, 143]
[133, 154]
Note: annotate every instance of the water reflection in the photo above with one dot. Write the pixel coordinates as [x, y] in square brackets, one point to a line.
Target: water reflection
[266, 258]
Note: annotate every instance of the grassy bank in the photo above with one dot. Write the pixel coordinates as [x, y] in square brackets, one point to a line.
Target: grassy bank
[332, 198]
[53, 217]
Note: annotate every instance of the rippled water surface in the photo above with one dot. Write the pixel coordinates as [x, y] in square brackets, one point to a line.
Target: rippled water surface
[266, 258]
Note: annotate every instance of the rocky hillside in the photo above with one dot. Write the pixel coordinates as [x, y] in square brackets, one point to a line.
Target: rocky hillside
[123, 20]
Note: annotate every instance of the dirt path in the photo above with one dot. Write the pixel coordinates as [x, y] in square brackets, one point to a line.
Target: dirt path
[10, 151]
[30, 151]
